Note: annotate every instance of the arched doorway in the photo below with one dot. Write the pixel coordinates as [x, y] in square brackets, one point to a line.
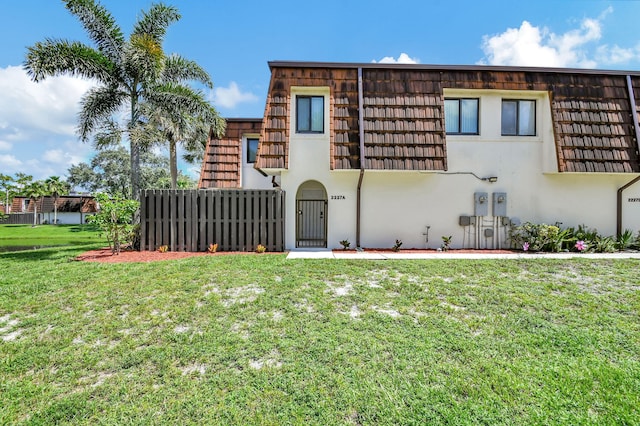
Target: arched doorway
[311, 215]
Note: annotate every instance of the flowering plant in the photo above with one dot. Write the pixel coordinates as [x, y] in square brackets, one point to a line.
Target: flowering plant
[525, 246]
[581, 245]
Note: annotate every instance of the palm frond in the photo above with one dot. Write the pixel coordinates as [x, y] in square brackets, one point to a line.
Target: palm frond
[100, 26]
[108, 134]
[62, 57]
[178, 69]
[97, 106]
[179, 97]
[143, 58]
[155, 21]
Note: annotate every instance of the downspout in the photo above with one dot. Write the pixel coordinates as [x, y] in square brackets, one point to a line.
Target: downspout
[362, 165]
[636, 126]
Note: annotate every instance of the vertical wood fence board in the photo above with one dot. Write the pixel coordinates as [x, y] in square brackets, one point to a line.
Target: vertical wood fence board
[190, 220]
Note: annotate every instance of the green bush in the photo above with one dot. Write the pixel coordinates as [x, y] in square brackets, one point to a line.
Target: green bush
[115, 219]
[551, 238]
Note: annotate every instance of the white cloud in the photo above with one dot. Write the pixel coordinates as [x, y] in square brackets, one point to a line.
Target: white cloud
[529, 45]
[402, 59]
[50, 106]
[5, 146]
[10, 164]
[230, 97]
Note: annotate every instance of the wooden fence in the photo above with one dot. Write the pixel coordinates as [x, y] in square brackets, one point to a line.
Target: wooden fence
[20, 219]
[190, 220]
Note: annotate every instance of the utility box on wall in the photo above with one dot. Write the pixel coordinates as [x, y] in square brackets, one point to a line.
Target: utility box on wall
[500, 204]
[481, 204]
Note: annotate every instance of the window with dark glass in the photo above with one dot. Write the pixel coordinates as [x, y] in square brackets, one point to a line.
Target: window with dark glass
[518, 117]
[252, 149]
[310, 114]
[461, 116]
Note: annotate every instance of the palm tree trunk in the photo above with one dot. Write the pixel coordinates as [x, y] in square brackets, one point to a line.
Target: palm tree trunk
[55, 208]
[35, 212]
[173, 163]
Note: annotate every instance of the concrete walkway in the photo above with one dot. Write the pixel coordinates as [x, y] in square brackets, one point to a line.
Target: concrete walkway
[328, 254]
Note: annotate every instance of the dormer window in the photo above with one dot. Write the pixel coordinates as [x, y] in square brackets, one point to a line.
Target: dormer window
[461, 116]
[518, 117]
[310, 114]
[252, 150]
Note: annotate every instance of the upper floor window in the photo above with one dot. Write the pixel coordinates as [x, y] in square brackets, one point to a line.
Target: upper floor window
[518, 117]
[310, 114]
[461, 116]
[252, 150]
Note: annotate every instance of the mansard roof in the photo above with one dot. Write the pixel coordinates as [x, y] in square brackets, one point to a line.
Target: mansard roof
[403, 113]
[222, 163]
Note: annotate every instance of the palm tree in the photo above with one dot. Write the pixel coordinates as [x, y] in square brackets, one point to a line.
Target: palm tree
[35, 191]
[189, 125]
[127, 71]
[56, 187]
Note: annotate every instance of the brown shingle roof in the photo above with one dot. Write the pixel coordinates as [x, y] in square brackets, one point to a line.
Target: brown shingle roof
[65, 204]
[404, 113]
[223, 156]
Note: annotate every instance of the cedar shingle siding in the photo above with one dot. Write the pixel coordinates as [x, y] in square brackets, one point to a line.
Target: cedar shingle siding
[404, 114]
[223, 156]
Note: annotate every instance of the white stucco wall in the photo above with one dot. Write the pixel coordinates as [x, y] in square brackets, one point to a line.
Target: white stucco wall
[400, 205]
[250, 178]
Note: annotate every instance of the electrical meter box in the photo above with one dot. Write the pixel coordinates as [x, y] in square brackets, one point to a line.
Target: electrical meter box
[467, 220]
[500, 204]
[481, 204]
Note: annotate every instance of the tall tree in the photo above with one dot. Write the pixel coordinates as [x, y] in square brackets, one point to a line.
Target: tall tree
[35, 191]
[6, 182]
[127, 71]
[109, 171]
[187, 123]
[55, 187]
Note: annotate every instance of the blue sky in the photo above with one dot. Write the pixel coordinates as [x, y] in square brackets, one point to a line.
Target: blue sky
[234, 40]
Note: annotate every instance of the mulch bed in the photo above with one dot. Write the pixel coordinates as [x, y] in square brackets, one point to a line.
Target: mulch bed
[105, 256]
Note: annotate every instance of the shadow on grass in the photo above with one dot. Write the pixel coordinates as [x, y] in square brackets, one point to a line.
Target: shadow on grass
[62, 252]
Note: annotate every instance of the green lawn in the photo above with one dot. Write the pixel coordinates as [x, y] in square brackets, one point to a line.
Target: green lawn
[49, 235]
[258, 339]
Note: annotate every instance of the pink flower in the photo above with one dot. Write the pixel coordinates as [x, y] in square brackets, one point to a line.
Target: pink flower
[581, 245]
[525, 246]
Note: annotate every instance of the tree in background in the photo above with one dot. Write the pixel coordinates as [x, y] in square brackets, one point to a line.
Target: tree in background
[187, 123]
[109, 172]
[55, 187]
[6, 186]
[128, 72]
[35, 191]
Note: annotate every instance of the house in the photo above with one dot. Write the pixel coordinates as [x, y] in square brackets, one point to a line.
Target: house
[372, 153]
[71, 209]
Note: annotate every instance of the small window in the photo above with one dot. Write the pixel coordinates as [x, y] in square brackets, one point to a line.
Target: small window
[310, 114]
[461, 116]
[518, 117]
[252, 149]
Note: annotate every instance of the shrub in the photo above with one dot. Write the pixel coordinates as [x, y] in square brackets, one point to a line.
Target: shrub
[396, 246]
[345, 244]
[542, 237]
[163, 249]
[446, 243]
[212, 248]
[115, 220]
[261, 248]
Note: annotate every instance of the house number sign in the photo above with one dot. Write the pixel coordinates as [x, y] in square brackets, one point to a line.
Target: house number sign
[338, 197]
[634, 200]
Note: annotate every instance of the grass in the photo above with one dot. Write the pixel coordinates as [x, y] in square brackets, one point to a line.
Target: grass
[252, 339]
[49, 235]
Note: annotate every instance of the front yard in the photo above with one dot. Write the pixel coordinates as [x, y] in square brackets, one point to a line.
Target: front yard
[251, 339]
